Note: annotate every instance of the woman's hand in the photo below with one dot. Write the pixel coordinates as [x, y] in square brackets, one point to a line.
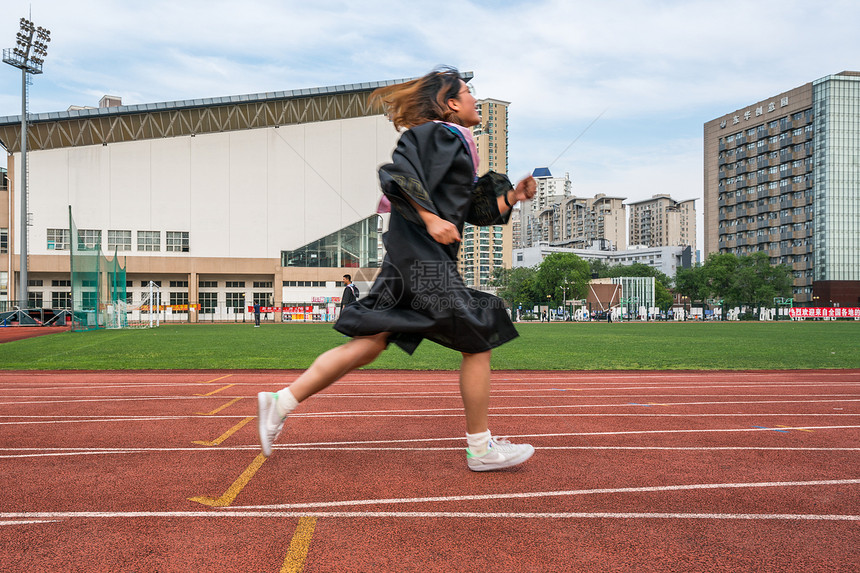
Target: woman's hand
[524, 190]
[441, 230]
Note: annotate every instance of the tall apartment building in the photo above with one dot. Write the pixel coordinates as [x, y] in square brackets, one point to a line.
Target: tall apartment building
[555, 217]
[781, 177]
[486, 248]
[663, 222]
[586, 221]
[581, 223]
[549, 191]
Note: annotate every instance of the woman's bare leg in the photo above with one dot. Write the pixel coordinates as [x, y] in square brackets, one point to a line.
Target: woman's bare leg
[336, 363]
[475, 390]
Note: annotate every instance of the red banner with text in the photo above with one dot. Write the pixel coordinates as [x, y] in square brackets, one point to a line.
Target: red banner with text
[824, 312]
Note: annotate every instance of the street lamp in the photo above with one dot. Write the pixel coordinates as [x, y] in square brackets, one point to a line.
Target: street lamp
[28, 56]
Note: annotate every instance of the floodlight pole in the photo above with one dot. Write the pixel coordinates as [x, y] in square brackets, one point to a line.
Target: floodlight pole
[23, 284]
[28, 56]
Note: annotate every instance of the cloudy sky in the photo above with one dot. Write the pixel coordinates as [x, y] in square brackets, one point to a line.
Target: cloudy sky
[656, 69]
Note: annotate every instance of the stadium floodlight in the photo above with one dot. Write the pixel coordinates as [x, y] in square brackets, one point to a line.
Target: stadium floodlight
[28, 56]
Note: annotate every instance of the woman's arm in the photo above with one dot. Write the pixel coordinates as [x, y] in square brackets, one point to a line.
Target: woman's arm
[441, 230]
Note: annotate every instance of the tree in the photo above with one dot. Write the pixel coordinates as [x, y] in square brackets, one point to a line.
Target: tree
[691, 282]
[516, 286]
[748, 279]
[757, 282]
[560, 275]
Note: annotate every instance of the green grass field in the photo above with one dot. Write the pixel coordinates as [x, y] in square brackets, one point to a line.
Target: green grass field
[562, 346]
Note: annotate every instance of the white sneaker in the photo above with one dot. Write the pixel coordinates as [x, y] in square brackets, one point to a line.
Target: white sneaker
[500, 454]
[269, 422]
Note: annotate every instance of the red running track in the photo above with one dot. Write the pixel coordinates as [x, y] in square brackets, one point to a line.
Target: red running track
[634, 471]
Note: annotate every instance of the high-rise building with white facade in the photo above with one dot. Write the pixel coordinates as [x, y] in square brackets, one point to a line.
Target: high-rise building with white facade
[549, 191]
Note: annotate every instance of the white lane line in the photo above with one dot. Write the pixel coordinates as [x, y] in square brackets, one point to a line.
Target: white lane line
[412, 449]
[28, 521]
[70, 452]
[497, 386]
[102, 420]
[554, 392]
[541, 494]
[98, 420]
[424, 515]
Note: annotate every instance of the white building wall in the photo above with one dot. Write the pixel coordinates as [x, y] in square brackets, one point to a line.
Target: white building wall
[241, 194]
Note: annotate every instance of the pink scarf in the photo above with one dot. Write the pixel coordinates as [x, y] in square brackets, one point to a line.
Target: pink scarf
[468, 140]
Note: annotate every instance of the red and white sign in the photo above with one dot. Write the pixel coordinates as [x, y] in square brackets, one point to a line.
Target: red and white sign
[824, 312]
[287, 309]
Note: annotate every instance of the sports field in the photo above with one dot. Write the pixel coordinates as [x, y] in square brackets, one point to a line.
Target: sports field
[637, 469]
[553, 346]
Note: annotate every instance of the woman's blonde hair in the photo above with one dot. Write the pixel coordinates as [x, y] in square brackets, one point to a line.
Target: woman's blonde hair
[419, 101]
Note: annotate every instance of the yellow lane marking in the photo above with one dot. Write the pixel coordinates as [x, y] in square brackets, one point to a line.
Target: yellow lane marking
[231, 493]
[216, 379]
[216, 391]
[793, 428]
[216, 410]
[226, 434]
[298, 552]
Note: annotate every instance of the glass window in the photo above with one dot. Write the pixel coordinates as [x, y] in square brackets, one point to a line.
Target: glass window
[208, 302]
[4, 241]
[89, 239]
[61, 300]
[119, 240]
[177, 241]
[236, 300]
[178, 298]
[58, 239]
[149, 240]
[352, 246]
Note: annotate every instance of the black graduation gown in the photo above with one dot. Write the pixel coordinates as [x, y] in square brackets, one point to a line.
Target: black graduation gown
[419, 293]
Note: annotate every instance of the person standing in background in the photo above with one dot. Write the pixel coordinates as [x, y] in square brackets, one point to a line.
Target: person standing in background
[350, 292]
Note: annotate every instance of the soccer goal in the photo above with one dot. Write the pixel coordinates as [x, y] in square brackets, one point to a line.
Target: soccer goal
[147, 313]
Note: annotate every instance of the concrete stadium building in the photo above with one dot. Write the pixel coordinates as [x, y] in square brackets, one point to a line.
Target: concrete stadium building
[268, 197]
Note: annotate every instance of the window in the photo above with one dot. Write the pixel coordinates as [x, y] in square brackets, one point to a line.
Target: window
[146, 283]
[178, 298]
[34, 300]
[4, 241]
[179, 284]
[177, 241]
[352, 246]
[207, 284]
[89, 239]
[119, 240]
[262, 284]
[61, 283]
[236, 300]
[58, 239]
[149, 240]
[304, 283]
[235, 284]
[61, 300]
[208, 302]
[262, 298]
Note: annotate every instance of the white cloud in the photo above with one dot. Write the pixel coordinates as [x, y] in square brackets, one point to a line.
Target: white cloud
[660, 68]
